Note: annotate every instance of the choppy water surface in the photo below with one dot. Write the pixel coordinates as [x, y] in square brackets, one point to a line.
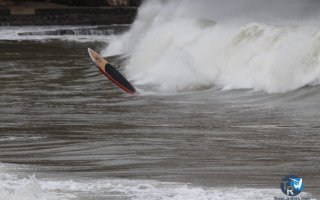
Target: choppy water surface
[81, 137]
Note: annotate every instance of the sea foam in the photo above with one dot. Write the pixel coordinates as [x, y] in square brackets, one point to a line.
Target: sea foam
[15, 183]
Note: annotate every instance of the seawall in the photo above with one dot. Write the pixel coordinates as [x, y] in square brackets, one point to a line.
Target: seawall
[70, 16]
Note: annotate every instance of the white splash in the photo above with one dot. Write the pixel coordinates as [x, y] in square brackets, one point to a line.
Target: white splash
[11, 33]
[172, 49]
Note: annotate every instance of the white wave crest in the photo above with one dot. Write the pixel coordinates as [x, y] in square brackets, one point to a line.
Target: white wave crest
[18, 187]
[172, 49]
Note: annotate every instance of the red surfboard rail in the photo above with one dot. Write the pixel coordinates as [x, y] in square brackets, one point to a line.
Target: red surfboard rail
[117, 83]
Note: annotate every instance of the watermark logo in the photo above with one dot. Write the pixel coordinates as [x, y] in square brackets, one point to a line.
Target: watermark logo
[291, 185]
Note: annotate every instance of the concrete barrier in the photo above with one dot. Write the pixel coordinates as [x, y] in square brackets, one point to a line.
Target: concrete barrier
[4, 12]
[73, 16]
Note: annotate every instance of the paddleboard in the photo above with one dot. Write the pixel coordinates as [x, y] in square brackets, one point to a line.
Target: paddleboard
[112, 73]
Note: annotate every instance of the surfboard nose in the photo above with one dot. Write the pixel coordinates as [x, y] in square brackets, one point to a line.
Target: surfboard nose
[97, 59]
[90, 50]
[92, 54]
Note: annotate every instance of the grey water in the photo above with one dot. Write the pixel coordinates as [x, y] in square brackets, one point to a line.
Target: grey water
[62, 118]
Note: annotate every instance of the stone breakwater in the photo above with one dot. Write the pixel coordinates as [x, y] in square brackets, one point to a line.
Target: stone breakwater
[70, 16]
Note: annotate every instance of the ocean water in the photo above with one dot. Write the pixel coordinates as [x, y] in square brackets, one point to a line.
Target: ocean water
[226, 109]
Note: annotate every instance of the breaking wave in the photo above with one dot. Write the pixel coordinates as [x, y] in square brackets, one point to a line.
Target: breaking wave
[14, 184]
[174, 48]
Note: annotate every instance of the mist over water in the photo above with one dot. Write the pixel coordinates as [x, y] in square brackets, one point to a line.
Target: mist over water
[265, 11]
[270, 46]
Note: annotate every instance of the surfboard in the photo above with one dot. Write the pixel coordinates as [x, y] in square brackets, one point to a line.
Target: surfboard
[112, 73]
